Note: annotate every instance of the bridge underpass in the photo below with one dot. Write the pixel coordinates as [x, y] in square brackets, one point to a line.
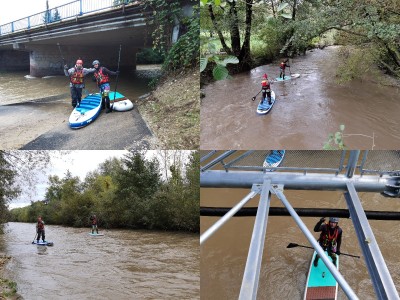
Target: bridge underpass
[87, 35]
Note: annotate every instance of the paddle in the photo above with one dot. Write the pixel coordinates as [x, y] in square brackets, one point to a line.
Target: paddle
[34, 238]
[254, 98]
[116, 81]
[62, 56]
[293, 245]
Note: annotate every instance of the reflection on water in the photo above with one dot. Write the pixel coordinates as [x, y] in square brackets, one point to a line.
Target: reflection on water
[122, 264]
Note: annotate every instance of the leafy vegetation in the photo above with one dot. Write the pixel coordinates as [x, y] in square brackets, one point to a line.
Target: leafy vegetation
[169, 16]
[127, 193]
[287, 28]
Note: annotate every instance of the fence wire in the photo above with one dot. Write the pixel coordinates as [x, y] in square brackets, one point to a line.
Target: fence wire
[375, 162]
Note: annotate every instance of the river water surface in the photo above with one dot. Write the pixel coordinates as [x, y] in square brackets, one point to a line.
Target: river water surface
[307, 109]
[122, 264]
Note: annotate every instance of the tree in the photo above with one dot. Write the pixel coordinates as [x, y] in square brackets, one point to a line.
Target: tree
[56, 15]
[8, 188]
[233, 25]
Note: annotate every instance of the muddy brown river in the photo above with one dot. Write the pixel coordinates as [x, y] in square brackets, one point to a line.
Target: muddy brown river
[306, 111]
[283, 272]
[122, 264]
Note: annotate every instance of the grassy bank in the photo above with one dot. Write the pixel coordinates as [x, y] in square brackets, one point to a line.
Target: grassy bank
[173, 111]
[8, 288]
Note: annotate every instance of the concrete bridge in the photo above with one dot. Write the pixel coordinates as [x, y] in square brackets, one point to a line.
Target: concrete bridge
[79, 29]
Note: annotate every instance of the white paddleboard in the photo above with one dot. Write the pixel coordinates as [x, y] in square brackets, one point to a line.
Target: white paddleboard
[123, 105]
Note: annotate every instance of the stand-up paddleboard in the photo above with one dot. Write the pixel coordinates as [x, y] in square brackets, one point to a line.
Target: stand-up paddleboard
[95, 234]
[263, 107]
[292, 76]
[121, 103]
[320, 282]
[87, 111]
[274, 159]
[45, 243]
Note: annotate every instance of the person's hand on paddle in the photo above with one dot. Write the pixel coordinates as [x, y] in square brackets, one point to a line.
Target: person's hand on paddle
[337, 252]
[322, 219]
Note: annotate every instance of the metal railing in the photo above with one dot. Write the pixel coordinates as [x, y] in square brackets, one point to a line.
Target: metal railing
[384, 169]
[67, 11]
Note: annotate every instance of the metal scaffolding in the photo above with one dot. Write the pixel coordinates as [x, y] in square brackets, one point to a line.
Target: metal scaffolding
[347, 171]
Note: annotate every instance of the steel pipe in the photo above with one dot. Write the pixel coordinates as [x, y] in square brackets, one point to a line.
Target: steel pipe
[210, 231]
[251, 274]
[293, 181]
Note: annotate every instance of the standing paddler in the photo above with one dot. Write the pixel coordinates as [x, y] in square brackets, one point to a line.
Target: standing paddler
[77, 81]
[330, 238]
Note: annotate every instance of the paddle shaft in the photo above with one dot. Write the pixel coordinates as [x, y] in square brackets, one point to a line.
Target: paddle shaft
[62, 56]
[116, 81]
[341, 253]
[34, 238]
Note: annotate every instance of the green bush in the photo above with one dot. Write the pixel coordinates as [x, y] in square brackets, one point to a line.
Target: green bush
[149, 56]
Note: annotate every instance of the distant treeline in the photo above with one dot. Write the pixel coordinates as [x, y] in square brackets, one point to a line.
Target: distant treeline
[123, 193]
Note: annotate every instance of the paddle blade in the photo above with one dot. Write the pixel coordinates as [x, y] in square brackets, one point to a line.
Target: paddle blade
[292, 245]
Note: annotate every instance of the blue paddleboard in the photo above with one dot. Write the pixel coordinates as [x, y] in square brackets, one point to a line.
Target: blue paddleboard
[45, 243]
[87, 111]
[274, 159]
[263, 107]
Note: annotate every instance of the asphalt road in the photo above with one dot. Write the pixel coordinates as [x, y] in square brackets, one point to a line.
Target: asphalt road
[113, 131]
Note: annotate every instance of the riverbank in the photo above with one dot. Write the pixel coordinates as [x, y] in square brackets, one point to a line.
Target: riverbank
[172, 111]
[8, 288]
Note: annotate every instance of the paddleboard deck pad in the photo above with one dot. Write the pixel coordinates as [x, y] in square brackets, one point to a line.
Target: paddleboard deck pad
[274, 159]
[45, 243]
[263, 107]
[292, 76]
[95, 234]
[320, 282]
[87, 111]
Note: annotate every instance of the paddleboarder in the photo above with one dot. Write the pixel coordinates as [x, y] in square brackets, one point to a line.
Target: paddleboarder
[266, 89]
[40, 230]
[93, 220]
[282, 68]
[77, 82]
[330, 238]
[103, 82]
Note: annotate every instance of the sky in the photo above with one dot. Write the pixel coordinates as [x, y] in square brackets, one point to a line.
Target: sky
[15, 10]
[79, 163]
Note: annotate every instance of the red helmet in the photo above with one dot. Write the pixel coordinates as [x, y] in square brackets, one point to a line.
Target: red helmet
[79, 61]
[265, 76]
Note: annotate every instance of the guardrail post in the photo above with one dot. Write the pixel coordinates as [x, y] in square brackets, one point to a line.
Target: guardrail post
[80, 8]
[12, 26]
[29, 22]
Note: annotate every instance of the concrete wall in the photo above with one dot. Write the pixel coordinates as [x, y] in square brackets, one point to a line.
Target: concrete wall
[11, 60]
[46, 59]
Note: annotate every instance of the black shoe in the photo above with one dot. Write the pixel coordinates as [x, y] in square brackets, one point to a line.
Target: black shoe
[315, 262]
